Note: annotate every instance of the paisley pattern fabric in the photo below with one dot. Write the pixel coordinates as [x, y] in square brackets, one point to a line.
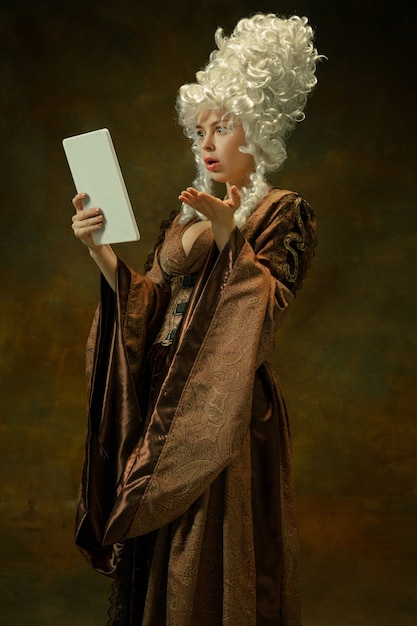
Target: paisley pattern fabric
[209, 473]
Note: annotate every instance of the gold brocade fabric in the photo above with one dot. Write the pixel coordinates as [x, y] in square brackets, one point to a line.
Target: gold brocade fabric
[211, 473]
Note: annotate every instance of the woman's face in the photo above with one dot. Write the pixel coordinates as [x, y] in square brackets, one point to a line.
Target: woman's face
[219, 148]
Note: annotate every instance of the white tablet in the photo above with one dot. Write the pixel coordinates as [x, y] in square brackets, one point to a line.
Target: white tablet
[96, 172]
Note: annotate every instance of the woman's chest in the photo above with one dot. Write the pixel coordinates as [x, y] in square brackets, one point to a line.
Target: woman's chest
[186, 247]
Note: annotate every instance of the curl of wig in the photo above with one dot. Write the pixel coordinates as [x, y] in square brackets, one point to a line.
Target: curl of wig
[260, 76]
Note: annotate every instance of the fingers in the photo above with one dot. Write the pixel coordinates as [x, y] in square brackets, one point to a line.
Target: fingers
[198, 200]
[234, 197]
[77, 201]
[85, 223]
[211, 207]
[85, 215]
[189, 196]
[86, 219]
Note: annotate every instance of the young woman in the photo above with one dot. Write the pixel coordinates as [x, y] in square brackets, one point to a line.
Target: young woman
[187, 497]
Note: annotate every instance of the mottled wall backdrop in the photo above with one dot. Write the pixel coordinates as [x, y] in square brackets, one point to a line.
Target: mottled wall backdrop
[346, 354]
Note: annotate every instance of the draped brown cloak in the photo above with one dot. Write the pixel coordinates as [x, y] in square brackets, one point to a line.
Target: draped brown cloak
[211, 472]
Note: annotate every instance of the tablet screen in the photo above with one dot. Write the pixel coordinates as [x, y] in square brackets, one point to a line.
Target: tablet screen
[96, 172]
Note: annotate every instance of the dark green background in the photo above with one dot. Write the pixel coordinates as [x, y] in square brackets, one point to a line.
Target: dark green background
[346, 354]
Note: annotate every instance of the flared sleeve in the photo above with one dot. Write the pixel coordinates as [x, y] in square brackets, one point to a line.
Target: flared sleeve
[115, 424]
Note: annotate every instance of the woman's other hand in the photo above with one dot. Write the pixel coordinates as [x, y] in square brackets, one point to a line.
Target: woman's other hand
[219, 212]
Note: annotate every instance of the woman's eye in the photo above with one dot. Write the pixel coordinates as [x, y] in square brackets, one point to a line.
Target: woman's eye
[221, 130]
[200, 134]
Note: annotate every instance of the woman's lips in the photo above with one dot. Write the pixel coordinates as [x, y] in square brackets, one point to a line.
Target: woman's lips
[211, 164]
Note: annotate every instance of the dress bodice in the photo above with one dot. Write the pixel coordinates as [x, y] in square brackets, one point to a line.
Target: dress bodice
[181, 271]
[172, 257]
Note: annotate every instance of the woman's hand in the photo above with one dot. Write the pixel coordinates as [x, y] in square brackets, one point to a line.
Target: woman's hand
[86, 221]
[219, 212]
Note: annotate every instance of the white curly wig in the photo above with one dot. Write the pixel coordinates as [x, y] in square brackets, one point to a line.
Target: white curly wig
[260, 77]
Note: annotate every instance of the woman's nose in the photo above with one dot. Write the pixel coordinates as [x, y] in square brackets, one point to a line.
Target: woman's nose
[207, 143]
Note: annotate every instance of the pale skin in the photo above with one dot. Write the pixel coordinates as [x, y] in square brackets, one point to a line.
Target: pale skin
[219, 148]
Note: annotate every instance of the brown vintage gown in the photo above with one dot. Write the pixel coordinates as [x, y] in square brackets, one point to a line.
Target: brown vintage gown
[187, 497]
